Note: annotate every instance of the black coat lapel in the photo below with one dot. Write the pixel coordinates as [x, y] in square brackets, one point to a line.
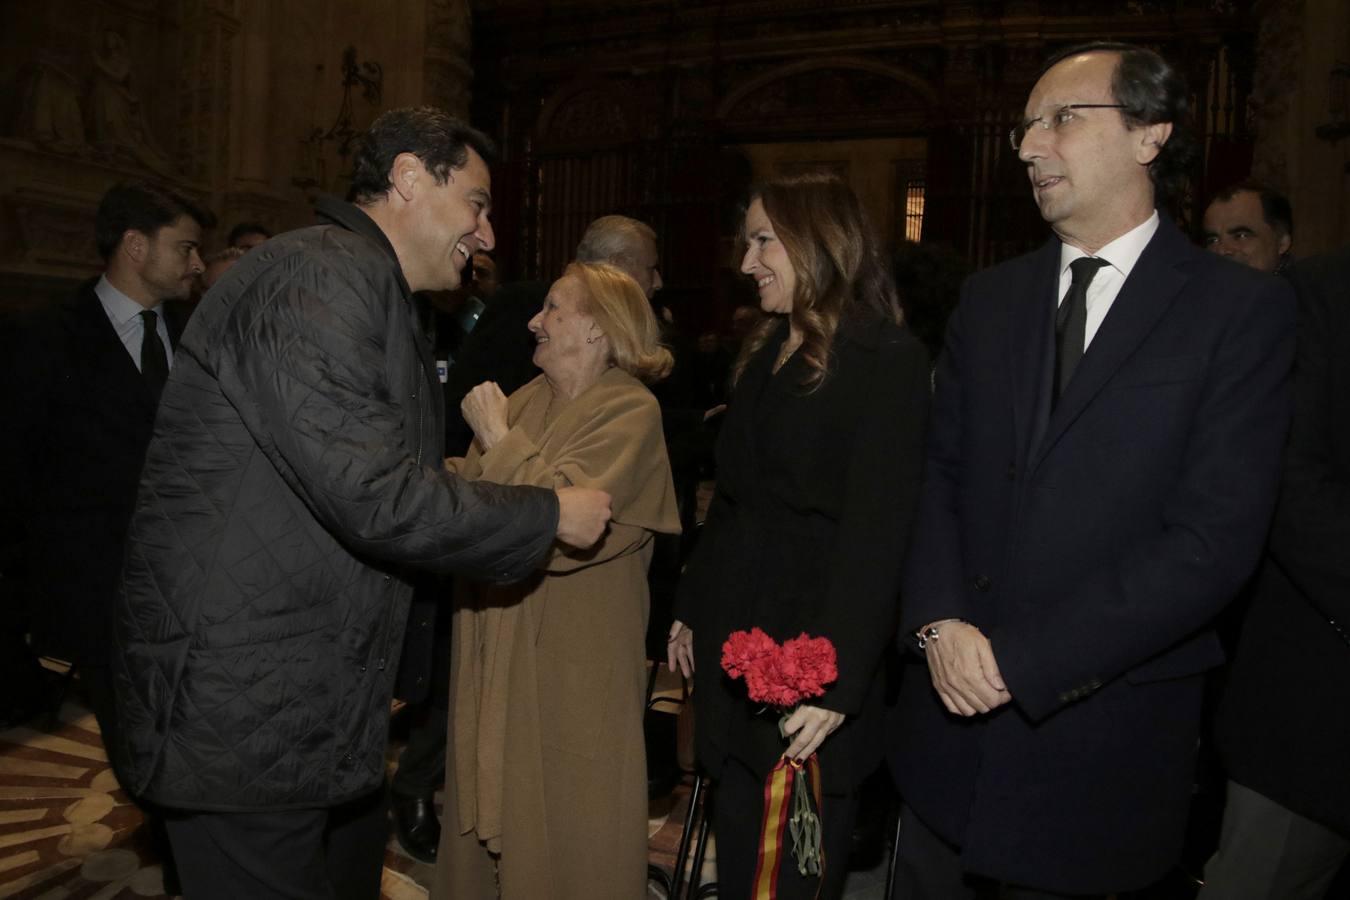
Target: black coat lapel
[1030, 351]
[1154, 283]
[107, 358]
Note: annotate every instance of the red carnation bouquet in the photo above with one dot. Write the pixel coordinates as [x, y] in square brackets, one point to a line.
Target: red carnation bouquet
[783, 676]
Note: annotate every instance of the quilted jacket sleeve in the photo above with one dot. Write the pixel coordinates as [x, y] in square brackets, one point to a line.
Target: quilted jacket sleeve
[309, 369]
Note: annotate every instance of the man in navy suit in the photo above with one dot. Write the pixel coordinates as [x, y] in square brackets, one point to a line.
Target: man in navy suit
[1102, 466]
[80, 385]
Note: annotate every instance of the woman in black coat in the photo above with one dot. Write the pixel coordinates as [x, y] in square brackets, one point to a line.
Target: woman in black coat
[818, 470]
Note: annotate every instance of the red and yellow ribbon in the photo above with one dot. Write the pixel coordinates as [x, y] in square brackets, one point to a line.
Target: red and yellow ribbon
[778, 789]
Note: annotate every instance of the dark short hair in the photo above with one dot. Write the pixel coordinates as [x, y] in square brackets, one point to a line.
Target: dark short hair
[437, 138]
[1152, 92]
[142, 207]
[244, 228]
[1275, 207]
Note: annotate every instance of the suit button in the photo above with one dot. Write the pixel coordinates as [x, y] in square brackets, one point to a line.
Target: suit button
[379, 664]
[420, 679]
[982, 583]
[363, 667]
[1012, 471]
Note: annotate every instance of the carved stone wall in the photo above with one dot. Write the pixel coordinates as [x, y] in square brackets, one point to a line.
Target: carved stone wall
[678, 89]
[1300, 42]
[212, 97]
[448, 75]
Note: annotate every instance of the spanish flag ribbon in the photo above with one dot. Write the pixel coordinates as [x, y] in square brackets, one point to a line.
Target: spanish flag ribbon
[789, 781]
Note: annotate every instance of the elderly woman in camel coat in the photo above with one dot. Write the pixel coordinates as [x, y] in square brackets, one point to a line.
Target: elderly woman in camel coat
[546, 779]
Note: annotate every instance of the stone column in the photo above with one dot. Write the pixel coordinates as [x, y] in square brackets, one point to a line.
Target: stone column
[447, 76]
[1299, 44]
[206, 34]
[251, 151]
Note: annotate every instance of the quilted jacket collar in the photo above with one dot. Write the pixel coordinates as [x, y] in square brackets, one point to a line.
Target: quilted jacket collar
[349, 216]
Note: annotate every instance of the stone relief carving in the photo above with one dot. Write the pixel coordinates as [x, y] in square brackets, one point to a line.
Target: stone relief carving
[49, 108]
[54, 233]
[829, 93]
[447, 74]
[116, 122]
[591, 116]
[1278, 50]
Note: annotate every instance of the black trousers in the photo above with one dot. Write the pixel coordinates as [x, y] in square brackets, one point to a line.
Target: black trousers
[738, 808]
[96, 680]
[310, 854]
[421, 765]
[929, 868]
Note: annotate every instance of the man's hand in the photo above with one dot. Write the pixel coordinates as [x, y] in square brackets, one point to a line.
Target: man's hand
[965, 675]
[583, 514]
[484, 410]
[808, 726]
[680, 649]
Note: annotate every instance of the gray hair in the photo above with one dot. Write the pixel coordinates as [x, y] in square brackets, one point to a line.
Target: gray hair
[614, 239]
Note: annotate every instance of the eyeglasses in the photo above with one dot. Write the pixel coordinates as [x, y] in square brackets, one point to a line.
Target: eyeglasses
[1061, 117]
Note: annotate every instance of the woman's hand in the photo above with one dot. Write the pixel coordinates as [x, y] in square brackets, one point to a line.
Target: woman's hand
[809, 726]
[680, 649]
[484, 409]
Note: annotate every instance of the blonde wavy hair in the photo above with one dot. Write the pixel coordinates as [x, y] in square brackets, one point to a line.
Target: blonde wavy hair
[834, 255]
[622, 312]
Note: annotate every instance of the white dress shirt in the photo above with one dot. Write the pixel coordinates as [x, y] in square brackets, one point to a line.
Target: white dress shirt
[125, 316]
[1120, 256]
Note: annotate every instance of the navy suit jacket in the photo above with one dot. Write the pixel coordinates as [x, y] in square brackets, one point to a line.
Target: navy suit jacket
[78, 417]
[1283, 728]
[1093, 544]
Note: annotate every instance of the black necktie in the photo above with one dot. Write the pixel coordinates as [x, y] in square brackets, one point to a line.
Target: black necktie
[1071, 321]
[154, 361]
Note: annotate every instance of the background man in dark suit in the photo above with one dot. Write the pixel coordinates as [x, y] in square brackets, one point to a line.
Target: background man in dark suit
[1284, 726]
[81, 385]
[1101, 470]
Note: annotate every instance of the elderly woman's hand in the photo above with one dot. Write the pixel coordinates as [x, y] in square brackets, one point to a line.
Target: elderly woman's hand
[484, 409]
[680, 649]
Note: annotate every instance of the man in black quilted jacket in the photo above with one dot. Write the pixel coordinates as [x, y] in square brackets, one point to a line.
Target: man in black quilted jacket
[293, 484]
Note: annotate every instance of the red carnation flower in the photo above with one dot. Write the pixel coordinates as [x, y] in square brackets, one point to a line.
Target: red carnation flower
[743, 651]
[781, 676]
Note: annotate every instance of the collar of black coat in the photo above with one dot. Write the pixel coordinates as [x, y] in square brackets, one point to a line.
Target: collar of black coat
[857, 323]
[351, 217]
[862, 325]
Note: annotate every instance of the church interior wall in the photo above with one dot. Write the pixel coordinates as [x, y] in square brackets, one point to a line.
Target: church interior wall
[875, 168]
[215, 97]
[210, 97]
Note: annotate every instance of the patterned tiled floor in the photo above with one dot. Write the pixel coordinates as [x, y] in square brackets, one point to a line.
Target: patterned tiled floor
[69, 832]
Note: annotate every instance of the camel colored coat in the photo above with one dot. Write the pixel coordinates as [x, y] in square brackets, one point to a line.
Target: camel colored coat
[546, 764]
